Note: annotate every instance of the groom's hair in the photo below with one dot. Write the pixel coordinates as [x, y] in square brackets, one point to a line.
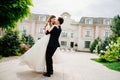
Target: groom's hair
[61, 20]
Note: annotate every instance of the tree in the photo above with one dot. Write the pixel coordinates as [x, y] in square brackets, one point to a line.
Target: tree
[115, 27]
[94, 44]
[11, 11]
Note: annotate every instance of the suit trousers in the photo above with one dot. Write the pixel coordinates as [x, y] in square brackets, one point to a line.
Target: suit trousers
[49, 62]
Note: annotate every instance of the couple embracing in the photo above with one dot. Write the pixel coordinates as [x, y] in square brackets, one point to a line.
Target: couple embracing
[39, 57]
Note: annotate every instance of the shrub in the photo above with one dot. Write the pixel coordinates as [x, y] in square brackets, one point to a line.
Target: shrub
[27, 39]
[30, 41]
[98, 47]
[94, 44]
[9, 43]
[76, 44]
[112, 52]
[107, 41]
[23, 48]
[27, 42]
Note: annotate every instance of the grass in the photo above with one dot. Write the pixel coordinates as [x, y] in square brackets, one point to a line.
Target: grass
[110, 65]
[1, 57]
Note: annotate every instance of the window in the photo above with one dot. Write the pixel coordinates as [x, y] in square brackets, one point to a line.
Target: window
[42, 18]
[88, 32]
[87, 44]
[106, 33]
[23, 27]
[41, 30]
[107, 21]
[72, 34]
[64, 34]
[88, 21]
[64, 43]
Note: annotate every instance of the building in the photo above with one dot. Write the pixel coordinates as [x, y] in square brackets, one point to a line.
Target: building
[69, 35]
[91, 28]
[34, 25]
[80, 33]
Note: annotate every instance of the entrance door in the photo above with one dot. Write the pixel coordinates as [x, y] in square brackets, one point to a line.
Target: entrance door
[71, 44]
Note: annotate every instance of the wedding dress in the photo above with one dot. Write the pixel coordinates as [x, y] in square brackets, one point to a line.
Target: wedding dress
[35, 56]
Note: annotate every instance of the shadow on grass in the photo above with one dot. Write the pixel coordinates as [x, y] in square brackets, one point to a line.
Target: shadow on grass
[111, 65]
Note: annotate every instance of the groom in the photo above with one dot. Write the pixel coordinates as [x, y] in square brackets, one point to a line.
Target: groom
[52, 45]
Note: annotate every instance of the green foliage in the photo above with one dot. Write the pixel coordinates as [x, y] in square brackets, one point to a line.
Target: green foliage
[1, 57]
[110, 65]
[27, 39]
[113, 65]
[107, 41]
[115, 27]
[101, 46]
[110, 47]
[98, 47]
[27, 42]
[94, 44]
[112, 53]
[9, 43]
[11, 11]
[30, 41]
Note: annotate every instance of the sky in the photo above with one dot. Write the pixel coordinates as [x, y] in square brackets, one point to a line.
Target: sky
[77, 8]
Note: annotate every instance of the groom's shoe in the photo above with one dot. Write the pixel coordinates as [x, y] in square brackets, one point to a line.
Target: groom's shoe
[47, 74]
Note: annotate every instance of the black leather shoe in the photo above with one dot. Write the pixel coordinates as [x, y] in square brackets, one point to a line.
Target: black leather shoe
[47, 74]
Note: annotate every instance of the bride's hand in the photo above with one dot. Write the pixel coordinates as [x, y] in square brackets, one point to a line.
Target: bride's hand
[47, 23]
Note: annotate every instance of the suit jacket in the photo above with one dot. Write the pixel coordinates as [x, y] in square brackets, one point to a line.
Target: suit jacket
[54, 36]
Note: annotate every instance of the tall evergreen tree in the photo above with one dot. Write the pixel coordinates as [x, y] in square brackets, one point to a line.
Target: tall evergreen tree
[115, 27]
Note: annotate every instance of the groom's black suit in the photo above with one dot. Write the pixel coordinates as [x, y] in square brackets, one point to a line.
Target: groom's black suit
[51, 47]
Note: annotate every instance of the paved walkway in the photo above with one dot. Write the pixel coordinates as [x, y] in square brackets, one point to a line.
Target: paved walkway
[69, 66]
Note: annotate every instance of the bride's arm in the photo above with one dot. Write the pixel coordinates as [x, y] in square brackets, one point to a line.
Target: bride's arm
[49, 30]
[46, 25]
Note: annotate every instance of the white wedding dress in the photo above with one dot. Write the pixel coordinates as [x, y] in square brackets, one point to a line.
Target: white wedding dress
[35, 56]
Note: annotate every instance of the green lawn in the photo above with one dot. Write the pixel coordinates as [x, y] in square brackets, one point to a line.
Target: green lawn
[110, 65]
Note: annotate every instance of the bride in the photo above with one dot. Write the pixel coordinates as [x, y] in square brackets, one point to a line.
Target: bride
[35, 56]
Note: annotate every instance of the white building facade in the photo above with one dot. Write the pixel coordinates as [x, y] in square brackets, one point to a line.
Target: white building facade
[73, 33]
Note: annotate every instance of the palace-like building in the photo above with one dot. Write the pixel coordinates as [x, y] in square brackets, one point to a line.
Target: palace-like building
[80, 33]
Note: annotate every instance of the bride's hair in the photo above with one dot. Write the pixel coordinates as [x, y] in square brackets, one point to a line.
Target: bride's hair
[49, 20]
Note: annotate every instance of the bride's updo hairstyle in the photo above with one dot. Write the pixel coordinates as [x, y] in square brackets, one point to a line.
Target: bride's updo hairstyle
[50, 20]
